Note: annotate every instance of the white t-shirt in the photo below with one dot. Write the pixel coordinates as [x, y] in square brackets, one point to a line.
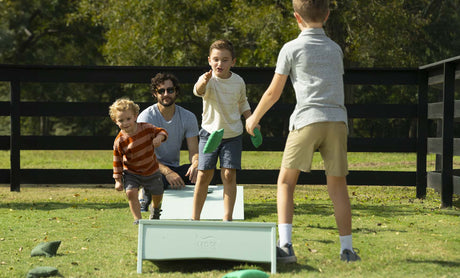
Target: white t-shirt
[223, 104]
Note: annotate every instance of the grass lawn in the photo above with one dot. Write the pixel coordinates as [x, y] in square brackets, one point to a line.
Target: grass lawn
[397, 235]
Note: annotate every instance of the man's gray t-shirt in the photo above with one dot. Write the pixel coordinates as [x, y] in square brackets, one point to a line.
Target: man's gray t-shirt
[314, 64]
[182, 125]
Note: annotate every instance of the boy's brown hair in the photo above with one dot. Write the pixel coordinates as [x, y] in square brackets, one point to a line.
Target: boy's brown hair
[311, 10]
[223, 44]
[122, 104]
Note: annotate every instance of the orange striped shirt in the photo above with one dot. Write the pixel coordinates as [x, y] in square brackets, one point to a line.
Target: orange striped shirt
[136, 153]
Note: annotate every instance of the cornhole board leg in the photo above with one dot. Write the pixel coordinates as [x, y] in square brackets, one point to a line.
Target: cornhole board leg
[179, 240]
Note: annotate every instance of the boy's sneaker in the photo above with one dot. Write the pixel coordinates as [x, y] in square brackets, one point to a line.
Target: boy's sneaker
[155, 213]
[349, 256]
[136, 222]
[144, 208]
[285, 254]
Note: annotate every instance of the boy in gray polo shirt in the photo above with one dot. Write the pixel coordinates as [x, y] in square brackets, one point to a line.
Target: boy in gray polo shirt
[314, 64]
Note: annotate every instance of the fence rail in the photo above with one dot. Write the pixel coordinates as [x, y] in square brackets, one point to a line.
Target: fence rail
[15, 109]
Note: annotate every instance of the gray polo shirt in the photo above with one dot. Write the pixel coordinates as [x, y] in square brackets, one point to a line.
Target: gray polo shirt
[314, 64]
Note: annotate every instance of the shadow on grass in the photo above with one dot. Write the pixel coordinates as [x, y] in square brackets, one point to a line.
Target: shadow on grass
[389, 211]
[63, 205]
[200, 265]
[439, 262]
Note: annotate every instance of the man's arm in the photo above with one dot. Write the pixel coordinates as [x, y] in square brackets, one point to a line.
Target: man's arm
[192, 146]
[172, 177]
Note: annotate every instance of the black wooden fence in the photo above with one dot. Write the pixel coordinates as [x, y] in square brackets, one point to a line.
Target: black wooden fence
[17, 75]
[445, 75]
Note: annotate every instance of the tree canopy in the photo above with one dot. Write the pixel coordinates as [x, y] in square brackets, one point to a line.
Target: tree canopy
[372, 33]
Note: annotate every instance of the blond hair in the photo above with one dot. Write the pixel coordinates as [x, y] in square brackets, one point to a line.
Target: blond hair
[311, 10]
[121, 105]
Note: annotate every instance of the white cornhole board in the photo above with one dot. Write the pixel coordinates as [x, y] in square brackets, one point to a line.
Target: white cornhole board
[177, 204]
[185, 239]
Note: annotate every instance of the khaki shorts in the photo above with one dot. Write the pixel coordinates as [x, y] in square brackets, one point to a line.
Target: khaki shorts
[330, 138]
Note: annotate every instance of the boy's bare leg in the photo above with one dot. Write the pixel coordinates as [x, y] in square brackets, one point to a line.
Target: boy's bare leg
[287, 181]
[134, 204]
[156, 200]
[201, 191]
[338, 192]
[228, 177]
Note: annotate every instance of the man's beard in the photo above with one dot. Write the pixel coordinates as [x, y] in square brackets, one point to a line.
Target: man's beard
[168, 103]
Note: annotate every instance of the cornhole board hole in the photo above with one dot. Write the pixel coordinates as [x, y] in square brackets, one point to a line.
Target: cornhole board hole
[185, 239]
[177, 204]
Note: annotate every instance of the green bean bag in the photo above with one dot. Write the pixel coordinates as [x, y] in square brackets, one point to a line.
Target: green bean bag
[42, 271]
[247, 273]
[257, 139]
[213, 141]
[48, 249]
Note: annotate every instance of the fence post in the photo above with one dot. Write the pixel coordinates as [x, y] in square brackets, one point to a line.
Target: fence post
[422, 134]
[447, 188]
[15, 136]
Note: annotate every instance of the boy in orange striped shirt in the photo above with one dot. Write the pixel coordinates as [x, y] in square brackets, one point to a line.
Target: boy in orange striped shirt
[134, 160]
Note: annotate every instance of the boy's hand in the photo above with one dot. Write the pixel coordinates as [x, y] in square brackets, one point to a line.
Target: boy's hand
[118, 185]
[251, 124]
[207, 76]
[157, 140]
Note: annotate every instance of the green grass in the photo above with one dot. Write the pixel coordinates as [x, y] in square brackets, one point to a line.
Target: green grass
[250, 160]
[398, 235]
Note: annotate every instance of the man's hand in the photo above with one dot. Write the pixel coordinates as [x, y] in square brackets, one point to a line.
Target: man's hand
[175, 180]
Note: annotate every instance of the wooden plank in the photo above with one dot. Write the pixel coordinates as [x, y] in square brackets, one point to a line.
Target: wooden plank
[435, 110]
[435, 145]
[104, 176]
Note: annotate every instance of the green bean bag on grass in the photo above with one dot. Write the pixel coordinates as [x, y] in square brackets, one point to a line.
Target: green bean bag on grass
[42, 271]
[247, 273]
[48, 249]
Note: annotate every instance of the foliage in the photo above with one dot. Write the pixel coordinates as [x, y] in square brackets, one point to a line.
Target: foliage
[178, 33]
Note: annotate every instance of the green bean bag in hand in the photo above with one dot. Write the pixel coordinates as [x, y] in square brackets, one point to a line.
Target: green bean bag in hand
[257, 139]
[213, 141]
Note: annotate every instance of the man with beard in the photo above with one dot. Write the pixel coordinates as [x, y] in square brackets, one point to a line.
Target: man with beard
[179, 123]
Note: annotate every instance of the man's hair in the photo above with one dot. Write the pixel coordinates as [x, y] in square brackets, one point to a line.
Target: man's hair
[311, 10]
[121, 105]
[160, 78]
[223, 45]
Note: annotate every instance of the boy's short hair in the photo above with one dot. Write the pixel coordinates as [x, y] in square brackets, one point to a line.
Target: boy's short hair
[160, 78]
[121, 105]
[223, 44]
[311, 10]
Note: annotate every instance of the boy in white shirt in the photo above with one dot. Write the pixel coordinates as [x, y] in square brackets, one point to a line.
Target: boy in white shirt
[224, 101]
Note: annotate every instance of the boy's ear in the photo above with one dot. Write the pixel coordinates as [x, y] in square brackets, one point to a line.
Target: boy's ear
[298, 18]
[327, 16]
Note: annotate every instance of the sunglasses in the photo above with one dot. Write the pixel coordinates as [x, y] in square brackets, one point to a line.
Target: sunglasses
[170, 90]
